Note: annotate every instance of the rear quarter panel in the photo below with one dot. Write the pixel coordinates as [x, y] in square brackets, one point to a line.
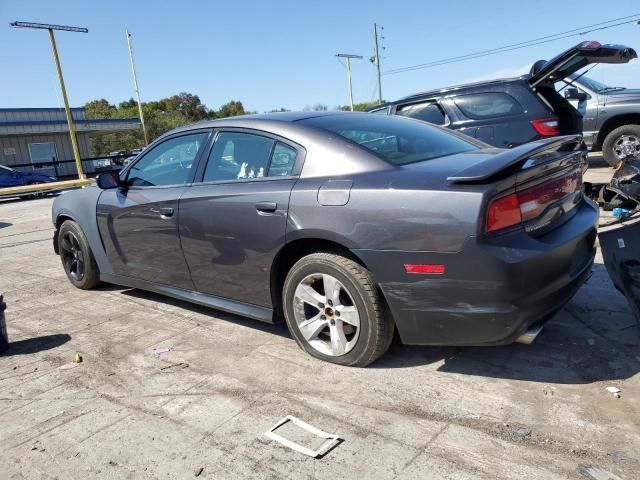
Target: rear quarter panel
[387, 211]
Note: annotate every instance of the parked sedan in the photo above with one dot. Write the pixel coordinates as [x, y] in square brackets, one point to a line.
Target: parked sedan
[12, 178]
[349, 225]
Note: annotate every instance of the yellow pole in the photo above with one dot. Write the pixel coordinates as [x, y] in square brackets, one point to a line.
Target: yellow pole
[72, 130]
[349, 76]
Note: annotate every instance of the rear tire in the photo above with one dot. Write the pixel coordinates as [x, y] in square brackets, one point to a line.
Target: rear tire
[347, 326]
[77, 259]
[621, 142]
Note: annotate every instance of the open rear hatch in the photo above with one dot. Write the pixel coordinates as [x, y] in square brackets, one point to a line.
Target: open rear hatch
[544, 74]
[572, 60]
[536, 186]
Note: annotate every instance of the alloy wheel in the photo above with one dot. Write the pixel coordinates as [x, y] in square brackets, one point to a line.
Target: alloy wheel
[626, 145]
[72, 256]
[326, 314]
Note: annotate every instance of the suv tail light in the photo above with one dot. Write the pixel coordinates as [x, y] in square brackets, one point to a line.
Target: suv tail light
[547, 127]
[589, 45]
[525, 205]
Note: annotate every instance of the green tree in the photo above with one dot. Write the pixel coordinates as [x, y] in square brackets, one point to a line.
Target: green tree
[160, 116]
[231, 109]
[359, 107]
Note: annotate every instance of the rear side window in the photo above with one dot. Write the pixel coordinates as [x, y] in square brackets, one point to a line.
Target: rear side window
[397, 140]
[488, 105]
[381, 111]
[245, 156]
[426, 111]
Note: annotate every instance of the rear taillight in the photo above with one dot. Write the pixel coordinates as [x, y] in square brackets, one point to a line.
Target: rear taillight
[534, 200]
[547, 127]
[527, 204]
[503, 212]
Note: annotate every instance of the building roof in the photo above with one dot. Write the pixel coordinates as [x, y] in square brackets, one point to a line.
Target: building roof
[30, 121]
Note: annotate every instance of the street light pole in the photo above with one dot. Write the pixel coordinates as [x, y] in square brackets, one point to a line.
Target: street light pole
[72, 130]
[349, 56]
[135, 85]
[377, 61]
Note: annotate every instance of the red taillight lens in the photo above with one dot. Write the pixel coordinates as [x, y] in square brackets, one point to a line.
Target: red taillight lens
[529, 203]
[547, 127]
[589, 45]
[503, 212]
[534, 200]
[429, 269]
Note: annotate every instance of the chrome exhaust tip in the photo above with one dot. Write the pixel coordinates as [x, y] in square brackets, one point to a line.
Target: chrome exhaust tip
[530, 335]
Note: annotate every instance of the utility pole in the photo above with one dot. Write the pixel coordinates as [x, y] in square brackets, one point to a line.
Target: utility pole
[72, 130]
[135, 85]
[377, 62]
[349, 56]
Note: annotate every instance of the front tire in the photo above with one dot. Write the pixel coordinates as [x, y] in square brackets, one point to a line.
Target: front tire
[77, 259]
[620, 143]
[333, 310]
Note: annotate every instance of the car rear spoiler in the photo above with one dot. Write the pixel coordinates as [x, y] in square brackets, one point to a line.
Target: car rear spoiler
[485, 169]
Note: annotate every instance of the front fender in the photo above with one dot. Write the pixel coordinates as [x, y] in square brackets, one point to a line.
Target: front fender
[80, 206]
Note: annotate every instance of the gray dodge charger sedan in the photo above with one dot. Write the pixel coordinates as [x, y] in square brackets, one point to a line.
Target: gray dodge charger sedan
[350, 226]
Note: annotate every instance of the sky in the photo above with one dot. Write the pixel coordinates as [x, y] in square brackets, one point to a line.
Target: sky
[277, 53]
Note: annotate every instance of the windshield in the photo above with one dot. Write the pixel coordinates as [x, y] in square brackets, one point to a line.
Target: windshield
[397, 140]
[592, 84]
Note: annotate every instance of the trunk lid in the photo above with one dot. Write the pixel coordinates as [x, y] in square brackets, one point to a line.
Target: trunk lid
[536, 186]
[575, 58]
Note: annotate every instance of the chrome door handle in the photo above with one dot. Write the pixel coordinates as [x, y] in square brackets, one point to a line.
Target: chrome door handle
[164, 212]
[266, 206]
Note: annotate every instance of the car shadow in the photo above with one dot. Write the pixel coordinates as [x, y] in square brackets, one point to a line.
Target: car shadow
[5, 224]
[35, 344]
[279, 328]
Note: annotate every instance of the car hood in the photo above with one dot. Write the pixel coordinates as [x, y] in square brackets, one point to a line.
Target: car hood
[628, 94]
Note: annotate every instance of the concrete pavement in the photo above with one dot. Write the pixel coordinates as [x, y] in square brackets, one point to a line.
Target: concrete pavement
[537, 412]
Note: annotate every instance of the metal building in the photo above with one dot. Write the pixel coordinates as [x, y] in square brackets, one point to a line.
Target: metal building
[38, 139]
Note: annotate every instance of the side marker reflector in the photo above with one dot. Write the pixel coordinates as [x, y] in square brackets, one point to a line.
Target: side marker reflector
[427, 269]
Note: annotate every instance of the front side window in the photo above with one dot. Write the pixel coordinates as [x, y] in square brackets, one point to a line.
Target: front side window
[169, 163]
[399, 141]
[245, 156]
[5, 172]
[426, 111]
[488, 105]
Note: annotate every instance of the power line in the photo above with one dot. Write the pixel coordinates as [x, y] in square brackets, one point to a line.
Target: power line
[516, 46]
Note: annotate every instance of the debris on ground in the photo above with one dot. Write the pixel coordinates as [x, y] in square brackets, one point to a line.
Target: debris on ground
[592, 472]
[331, 439]
[68, 365]
[174, 366]
[77, 358]
[615, 391]
[160, 351]
[198, 471]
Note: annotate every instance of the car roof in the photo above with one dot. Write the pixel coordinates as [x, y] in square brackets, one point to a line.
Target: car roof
[460, 87]
[262, 119]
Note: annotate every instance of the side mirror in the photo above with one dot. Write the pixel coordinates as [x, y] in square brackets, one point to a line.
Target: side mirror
[109, 180]
[575, 94]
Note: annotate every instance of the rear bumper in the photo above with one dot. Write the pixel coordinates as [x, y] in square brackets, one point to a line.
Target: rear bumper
[492, 291]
